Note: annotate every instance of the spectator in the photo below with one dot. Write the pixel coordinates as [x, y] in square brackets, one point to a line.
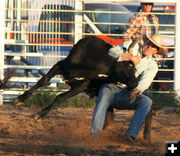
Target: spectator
[142, 23]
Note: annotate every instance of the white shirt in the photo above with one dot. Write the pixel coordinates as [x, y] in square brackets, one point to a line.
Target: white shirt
[146, 70]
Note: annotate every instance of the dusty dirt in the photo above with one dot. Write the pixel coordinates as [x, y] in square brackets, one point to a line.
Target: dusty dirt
[65, 132]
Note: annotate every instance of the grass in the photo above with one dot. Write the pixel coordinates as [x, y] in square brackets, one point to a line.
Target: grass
[163, 99]
[43, 98]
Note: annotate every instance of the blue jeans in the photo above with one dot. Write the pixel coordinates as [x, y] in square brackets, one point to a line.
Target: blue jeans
[112, 95]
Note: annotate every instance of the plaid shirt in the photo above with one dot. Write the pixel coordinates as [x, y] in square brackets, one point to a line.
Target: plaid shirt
[140, 25]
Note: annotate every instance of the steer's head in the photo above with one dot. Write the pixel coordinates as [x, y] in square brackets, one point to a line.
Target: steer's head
[124, 72]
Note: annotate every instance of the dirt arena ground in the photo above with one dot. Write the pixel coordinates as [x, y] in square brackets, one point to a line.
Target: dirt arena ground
[65, 132]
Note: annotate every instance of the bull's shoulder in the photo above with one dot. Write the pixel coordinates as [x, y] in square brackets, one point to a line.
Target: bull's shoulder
[89, 49]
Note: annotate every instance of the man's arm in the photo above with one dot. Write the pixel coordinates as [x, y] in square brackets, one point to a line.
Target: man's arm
[133, 95]
[144, 82]
[147, 77]
[120, 53]
[156, 23]
[129, 57]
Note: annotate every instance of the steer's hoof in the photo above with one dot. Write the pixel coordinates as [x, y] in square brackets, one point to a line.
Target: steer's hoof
[18, 102]
[37, 117]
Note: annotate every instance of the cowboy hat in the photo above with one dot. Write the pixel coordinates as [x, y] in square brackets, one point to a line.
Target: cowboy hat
[156, 39]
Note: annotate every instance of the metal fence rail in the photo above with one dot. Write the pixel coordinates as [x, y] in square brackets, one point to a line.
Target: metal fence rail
[40, 33]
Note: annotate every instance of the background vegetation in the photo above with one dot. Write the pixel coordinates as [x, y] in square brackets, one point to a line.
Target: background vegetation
[41, 99]
[45, 96]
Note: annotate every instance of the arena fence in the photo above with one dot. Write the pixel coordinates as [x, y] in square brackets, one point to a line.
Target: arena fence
[37, 34]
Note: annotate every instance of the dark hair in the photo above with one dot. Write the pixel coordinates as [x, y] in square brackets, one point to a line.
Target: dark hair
[144, 3]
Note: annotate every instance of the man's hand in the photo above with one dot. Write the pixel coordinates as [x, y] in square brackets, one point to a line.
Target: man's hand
[129, 57]
[136, 60]
[133, 95]
[126, 57]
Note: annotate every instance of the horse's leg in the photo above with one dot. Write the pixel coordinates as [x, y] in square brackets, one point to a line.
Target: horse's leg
[55, 70]
[147, 126]
[79, 87]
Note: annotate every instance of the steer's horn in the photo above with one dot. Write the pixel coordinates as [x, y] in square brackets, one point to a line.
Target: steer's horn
[131, 47]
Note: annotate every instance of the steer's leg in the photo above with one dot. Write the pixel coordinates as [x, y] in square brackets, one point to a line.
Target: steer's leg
[55, 70]
[77, 88]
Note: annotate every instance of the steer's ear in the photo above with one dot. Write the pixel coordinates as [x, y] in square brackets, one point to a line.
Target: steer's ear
[132, 66]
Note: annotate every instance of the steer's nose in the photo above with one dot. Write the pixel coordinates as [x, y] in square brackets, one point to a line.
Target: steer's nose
[132, 84]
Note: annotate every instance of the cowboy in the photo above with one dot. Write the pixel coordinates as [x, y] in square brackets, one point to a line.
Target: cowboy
[118, 97]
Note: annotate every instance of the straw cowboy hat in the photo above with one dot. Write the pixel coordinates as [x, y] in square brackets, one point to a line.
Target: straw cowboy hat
[156, 39]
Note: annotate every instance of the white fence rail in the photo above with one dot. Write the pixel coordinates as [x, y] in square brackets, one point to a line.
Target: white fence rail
[37, 34]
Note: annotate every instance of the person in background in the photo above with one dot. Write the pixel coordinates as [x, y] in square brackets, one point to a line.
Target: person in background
[141, 24]
[114, 96]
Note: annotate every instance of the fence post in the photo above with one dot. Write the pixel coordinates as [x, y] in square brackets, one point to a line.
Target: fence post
[78, 20]
[2, 16]
[177, 50]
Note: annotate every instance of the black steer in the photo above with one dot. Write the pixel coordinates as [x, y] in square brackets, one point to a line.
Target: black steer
[86, 69]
